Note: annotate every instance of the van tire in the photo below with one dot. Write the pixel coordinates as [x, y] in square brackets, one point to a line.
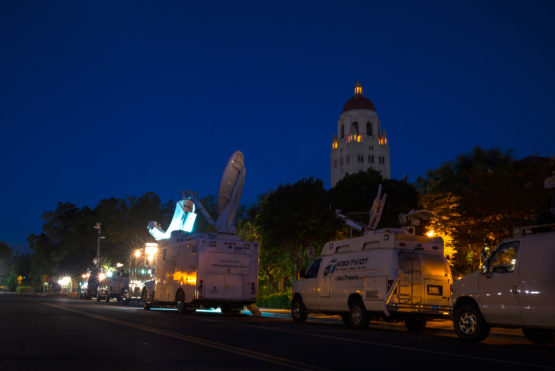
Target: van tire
[415, 325]
[469, 324]
[358, 317]
[538, 336]
[146, 304]
[298, 310]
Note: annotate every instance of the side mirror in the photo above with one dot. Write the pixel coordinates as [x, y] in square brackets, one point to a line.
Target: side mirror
[484, 256]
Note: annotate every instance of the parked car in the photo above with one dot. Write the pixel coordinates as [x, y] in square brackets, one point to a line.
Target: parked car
[515, 288]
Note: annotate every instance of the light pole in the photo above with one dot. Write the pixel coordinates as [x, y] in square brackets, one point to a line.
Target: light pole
[100, 236]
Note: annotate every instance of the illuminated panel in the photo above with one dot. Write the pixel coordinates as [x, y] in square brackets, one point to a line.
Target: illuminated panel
[183, 219]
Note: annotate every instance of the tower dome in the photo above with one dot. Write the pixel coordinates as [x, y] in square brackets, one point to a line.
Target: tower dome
[360, 142]
[359, 101]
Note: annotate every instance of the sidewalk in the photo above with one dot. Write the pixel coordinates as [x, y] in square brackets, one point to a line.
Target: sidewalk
[438, 326]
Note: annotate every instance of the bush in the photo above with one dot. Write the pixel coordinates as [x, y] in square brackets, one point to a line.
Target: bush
[25, 290]
[278, 300]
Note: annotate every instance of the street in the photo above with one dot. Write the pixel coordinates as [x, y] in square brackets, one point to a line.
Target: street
[66, 333]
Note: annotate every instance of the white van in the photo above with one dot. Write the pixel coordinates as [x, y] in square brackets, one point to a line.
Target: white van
[387, 273]
[515, 287]
[203, 270]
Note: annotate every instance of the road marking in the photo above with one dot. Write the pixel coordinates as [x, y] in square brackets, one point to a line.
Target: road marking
[284, 362]
[393, 346]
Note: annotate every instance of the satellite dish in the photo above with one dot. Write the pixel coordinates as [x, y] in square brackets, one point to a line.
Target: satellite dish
[231, 188]
[229, 195]
[230, 176]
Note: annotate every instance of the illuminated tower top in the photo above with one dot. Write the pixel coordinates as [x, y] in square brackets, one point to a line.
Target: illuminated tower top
[360, 142]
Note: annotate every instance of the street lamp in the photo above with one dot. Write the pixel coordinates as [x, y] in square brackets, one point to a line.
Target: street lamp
[100, 236]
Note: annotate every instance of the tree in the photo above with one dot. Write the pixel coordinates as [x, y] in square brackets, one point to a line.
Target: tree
[355, 193]
[482, 196]
[290, 219]
[6, 254]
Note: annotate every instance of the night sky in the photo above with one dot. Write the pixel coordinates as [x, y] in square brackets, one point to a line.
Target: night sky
[113, 99]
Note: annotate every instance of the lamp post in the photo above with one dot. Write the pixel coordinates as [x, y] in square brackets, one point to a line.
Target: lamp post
[100, 236]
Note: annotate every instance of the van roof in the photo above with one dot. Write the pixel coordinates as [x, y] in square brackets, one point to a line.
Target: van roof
[384, 239]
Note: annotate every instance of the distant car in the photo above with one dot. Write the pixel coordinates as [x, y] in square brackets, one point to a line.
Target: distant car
[114, 286]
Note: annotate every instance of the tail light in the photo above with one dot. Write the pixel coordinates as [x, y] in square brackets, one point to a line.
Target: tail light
[200, 289]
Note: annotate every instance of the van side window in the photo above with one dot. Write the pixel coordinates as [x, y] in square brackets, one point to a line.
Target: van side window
[312, 271]
[504, 258]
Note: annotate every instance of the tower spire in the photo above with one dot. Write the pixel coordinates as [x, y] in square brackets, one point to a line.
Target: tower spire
[358, 88]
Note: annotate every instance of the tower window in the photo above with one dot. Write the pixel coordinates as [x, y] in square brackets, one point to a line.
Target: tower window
[369, 129]
[334, 163]
[347, 159]
[341, 161]
[342, 131]
[354, 128]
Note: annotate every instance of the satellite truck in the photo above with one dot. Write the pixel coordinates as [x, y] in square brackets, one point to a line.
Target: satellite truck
[200, 270]
[389, 273]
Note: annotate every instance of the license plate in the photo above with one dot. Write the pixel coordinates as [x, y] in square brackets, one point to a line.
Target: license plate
[435, 290]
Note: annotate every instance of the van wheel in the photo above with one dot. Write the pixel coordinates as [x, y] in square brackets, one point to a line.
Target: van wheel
[538, 336]
[358, 317]
[346, 318]
[415, 325]
[298, 310]
[469, 323]
[180, 302]
[107, 298]
[146, 305]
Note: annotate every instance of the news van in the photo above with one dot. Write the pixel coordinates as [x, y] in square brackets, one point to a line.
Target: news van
[514, 287]
[389, 273]
[203, 271]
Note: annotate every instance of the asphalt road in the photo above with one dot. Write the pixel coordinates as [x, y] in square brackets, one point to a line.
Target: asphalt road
[62, 333]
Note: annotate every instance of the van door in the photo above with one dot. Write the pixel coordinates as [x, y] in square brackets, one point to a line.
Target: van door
[410, 282]
[536, 275]
[499, 301]
[308, 285]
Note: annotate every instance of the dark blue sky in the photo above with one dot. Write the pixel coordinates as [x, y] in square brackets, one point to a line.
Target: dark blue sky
[102, 99]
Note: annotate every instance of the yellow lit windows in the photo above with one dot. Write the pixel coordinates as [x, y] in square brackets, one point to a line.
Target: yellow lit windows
[354, 138]
[334, 145]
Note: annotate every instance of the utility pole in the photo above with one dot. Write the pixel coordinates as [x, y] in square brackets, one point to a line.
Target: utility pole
[100, 236]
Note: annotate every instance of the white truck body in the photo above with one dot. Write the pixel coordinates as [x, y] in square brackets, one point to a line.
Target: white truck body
[394, 274]
[514, 288]
[209, 270]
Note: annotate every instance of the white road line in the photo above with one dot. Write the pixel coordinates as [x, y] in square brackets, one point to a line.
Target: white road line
[392, 346]
[284, 362]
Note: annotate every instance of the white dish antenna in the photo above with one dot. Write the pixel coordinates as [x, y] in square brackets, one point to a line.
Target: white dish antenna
[229, 194]
[231, 188]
